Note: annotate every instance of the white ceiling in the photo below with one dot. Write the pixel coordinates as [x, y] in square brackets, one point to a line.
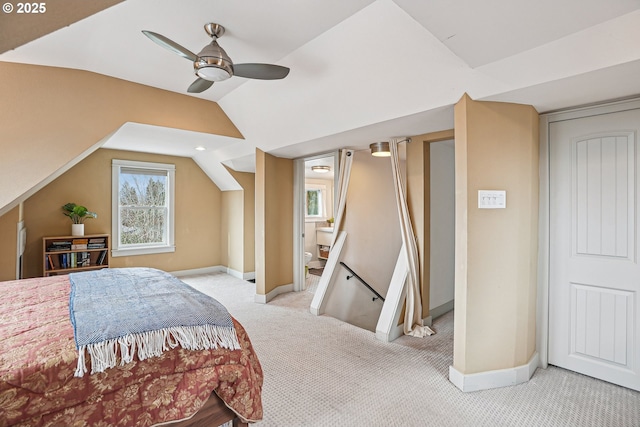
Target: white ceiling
[361, 70]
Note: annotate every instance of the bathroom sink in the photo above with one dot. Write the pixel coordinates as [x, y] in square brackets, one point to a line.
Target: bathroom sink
[324, 235]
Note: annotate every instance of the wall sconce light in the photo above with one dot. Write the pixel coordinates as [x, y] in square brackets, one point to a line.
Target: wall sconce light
[320, 169]
[380, 149]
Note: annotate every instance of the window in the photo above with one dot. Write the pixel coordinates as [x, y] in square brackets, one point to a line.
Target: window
[315, 201]
[142, 207]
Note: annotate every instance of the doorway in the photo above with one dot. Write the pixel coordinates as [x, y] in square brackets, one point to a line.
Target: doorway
[314, 187]
[594, 276]
[442, 227]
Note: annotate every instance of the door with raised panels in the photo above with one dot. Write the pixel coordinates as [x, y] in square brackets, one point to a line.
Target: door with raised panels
[594, 277]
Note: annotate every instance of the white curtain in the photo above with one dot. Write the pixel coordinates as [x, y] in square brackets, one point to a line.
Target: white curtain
[346, 159]
[413, 311]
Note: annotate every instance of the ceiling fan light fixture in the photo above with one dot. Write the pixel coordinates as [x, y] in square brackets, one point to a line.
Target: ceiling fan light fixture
[321, 169]
[213, 73]
[213, 63]
[380, 149]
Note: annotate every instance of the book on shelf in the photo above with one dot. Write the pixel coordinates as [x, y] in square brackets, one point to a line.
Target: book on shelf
[50, 261]
[59, 246]
[79, 243]
[97, 243]
[101, 257]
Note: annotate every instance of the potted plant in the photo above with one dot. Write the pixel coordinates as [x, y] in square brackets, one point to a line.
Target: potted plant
[78, 214]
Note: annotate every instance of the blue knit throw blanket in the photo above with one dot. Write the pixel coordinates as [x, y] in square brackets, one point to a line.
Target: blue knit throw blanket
[144, 311]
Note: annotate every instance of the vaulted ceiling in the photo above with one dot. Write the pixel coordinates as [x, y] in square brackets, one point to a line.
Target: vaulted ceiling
[361, 70]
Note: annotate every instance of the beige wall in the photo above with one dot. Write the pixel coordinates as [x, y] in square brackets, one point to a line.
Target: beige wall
[274, 222]
[248, 183]
[49, 116]
[232, 231]
[8, 247]
[496, 148]
[197, 212]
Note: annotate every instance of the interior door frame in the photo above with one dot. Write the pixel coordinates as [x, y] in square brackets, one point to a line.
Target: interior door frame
[544, 238]
[298, 212]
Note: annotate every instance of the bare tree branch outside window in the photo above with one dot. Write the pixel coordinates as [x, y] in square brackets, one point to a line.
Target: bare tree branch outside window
[143, 208]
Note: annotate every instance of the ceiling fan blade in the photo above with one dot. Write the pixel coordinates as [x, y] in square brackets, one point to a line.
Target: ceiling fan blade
[200, 85]
[260, 71]
[171, 45]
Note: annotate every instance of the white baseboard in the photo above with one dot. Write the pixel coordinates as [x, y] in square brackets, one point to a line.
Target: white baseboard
[240, 275]
[204, 270]
[215, 269]
[441, 309]
[494, 379]
[263, 299]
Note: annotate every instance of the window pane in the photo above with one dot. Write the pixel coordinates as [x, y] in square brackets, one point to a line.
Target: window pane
[313, 202]
[138, 189]
[143, 210]
[142, 225]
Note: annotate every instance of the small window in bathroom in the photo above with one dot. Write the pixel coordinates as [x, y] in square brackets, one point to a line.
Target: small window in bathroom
[314, 203]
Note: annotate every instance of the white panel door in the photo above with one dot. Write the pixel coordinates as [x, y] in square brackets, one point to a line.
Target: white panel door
[594, 277]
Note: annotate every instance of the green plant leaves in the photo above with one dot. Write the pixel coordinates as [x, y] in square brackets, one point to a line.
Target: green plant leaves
[77, 213]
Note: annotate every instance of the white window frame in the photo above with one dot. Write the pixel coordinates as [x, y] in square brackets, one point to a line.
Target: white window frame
[129, 250]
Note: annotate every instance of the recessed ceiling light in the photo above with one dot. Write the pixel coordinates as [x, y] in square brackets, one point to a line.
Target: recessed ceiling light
[200, 148]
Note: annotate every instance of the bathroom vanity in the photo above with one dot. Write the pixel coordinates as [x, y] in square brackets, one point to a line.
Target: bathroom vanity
[323, 241]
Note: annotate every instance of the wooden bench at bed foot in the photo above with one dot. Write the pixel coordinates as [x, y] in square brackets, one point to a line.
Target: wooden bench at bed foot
[214, 413]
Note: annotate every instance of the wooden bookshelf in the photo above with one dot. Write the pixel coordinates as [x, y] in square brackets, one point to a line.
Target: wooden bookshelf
[68, 254]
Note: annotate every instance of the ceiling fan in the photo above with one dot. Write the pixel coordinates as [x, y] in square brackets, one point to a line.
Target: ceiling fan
[213, 64]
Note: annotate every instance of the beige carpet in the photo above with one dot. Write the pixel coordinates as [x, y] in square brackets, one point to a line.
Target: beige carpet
[320, 371]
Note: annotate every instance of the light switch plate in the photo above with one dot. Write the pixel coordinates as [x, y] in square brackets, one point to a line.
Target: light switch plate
[492, 199]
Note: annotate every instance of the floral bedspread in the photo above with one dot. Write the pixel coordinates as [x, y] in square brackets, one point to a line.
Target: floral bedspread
[38, 359]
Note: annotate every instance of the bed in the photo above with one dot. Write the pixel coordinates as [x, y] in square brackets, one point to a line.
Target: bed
[179, 387]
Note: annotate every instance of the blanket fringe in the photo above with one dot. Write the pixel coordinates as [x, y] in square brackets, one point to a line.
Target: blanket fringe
[104, 354]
